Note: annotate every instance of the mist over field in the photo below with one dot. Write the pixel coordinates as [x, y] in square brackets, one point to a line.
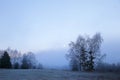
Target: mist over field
[53, 59]
[59, 39]
[57, 58]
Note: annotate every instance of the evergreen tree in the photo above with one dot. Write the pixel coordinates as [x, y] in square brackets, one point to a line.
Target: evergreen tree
[5, 61]
[16, 65]
[25, 64]
[0, 62]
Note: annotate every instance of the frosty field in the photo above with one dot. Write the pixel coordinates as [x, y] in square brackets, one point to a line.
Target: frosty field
[6, 74]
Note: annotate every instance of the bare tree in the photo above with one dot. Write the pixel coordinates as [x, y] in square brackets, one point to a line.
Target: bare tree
[25, 64]
[29, 61]
[84, 51]
[77, 54]
[72, 57]
[94, 45]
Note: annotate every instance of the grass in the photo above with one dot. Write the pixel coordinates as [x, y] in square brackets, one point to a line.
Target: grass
[36, 74]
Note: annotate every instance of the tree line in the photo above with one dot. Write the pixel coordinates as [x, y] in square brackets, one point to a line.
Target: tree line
[85, 55]
[25, 61]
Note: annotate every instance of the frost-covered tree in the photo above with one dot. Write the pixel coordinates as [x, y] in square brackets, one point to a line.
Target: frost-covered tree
[94, 45]
[20, 60]
[15, 55]
[32, 60]
[29, 61]
[25, 64]
[84, 51]
[74, 62]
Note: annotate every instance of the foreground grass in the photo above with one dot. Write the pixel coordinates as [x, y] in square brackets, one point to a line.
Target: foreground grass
[6, 74]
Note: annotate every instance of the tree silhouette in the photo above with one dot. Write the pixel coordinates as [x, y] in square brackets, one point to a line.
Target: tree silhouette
[5, 61]
[16, 65]
[25, 64]
[84, 51]
[29, 61]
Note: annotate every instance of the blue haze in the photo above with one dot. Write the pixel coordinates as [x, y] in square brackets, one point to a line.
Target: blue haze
[45, 25]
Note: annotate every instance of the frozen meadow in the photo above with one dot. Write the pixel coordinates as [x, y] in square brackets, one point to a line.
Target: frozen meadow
[37, 74]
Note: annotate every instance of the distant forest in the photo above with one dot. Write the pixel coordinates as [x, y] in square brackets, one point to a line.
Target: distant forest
[15, 60]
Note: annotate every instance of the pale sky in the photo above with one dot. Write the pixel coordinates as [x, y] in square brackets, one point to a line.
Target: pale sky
[36, 25]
